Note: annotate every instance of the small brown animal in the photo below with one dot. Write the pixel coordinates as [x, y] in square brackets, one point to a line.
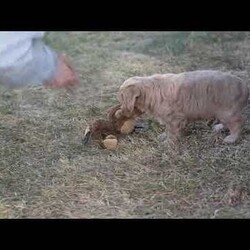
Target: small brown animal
[115, 124]
[176, 99]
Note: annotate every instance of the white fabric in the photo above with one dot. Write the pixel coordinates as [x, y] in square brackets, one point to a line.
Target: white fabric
[25, 59]
[14, 45]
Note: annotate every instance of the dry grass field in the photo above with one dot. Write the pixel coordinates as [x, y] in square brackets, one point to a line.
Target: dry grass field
[46, 172]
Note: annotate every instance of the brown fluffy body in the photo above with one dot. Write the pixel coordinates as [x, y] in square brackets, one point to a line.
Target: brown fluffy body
[115, 123]
[176, 99]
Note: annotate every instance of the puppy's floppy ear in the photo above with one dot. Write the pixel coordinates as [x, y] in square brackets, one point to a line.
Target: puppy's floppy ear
[127, 97]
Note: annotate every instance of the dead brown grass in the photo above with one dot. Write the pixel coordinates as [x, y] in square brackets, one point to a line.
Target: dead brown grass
[45, 171]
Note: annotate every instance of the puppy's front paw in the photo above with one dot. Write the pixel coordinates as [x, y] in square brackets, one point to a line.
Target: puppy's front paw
[218, 127]
[230, 139]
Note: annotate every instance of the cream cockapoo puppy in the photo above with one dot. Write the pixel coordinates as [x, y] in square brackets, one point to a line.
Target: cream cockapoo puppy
[176, 99]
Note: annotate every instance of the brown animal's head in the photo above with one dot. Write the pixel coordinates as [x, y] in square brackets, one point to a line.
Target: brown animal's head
[117, 116]
[115, 123]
